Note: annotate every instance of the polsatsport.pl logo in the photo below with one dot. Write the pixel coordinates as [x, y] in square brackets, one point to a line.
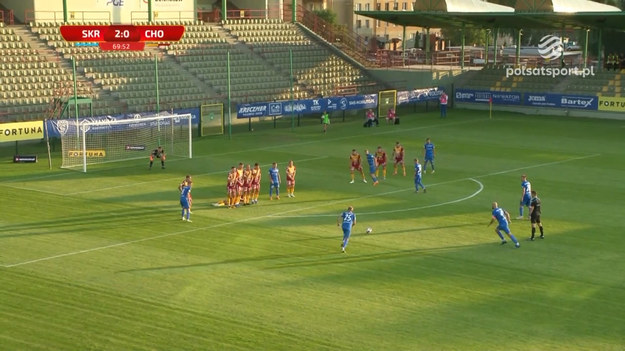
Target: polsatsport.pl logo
[550, 72]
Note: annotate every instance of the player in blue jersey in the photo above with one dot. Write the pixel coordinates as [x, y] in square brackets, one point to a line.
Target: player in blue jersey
[347, 220]
[184, 201]
[417, 176]
[503, 218]
[373, 165]
[274, 181]
[428, 154]
[526, 195]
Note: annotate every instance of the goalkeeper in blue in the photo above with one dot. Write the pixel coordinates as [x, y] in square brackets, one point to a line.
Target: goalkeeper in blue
[373, 165]
[503, 218]
[347, 220]
[417, 176]
[184, 201]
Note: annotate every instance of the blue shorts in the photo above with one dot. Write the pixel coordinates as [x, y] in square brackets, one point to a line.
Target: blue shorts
[184, 202]
[347, 232]
[526, 200]
[504, 228]
[429, 158]
[371, 169]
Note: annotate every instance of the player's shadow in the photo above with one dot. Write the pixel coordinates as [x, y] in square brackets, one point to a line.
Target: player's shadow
[341, 258]
[267, 258]
[391, 232]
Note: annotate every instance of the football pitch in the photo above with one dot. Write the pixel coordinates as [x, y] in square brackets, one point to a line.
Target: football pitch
[102, 261]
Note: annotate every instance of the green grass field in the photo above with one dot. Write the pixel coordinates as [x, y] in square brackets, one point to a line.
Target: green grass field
[102, 261]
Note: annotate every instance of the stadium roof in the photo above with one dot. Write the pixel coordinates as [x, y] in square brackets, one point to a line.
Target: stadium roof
[544, 14]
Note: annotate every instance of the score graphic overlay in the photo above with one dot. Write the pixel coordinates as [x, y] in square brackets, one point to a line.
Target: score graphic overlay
[122, 37]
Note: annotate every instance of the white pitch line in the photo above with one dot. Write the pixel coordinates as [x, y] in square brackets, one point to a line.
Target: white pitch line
[160, 180]
[539, 165]
[134, 184]
[246, 151]
[268, 216]
[404, 209]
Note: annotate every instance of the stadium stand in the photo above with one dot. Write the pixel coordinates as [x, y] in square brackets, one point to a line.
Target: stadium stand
[606, 83]
[36, 69]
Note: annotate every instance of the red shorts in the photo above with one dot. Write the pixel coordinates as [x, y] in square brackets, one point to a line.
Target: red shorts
[356, 166]
[290, 182]
[399, 160]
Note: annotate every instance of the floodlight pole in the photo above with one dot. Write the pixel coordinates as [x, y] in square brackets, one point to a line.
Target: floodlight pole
[427, 45]
[291, 84]
[518, 47]
[599, 64]
[487, 47]
[403, 46]
[229, 92]
[150, 11]
[158, 104]
[462, 49]
[224, 10]
[563, 49]
[294, 15]
[585, 53]
[64, 11]
[495, 49]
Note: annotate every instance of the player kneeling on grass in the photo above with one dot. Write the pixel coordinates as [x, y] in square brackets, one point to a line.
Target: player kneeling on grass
[158, 153]
[503, 218]
[347, 220]
[184, 201]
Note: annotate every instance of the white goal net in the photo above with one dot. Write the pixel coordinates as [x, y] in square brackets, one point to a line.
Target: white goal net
[89, 142]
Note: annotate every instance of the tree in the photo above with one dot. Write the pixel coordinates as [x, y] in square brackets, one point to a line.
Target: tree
[471, 36]
[326, 15]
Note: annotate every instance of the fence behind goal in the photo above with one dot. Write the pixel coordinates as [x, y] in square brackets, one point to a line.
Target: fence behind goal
[95, 142]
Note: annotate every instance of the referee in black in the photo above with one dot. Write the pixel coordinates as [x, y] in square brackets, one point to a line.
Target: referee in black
[535, 215]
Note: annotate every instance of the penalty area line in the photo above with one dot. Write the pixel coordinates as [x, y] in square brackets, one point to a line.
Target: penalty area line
[481, 187]
[279, 214]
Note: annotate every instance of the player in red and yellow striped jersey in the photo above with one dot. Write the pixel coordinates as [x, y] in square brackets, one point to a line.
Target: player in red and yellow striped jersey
[232, 186]
[255, 183]
[380, 156]
[356, 165]
[239, 172]
[398, 154]
[247, 184]
[290, 179]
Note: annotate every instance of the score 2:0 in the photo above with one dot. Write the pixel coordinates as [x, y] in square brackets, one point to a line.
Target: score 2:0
[125, 33]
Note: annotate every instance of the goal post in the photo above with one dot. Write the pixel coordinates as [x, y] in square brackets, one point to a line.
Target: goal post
[387, 99]
[211, 119]
[87, 142]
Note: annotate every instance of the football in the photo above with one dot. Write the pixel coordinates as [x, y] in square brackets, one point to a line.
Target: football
[369, 230]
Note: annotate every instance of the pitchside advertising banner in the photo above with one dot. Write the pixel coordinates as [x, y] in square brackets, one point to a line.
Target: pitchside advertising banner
[58, 127]
[21, 131]
[418, 95]
[616, 104]
[580, 102]
[310, 106]
[485, 96]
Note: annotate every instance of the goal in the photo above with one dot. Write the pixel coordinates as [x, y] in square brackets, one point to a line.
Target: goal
[387, 99]
[85, 143]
